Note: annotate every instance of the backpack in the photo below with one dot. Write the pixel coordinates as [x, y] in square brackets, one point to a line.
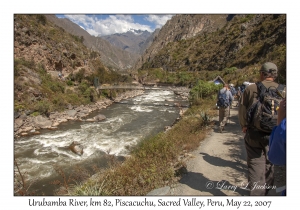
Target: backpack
[223, 101]
[262, 114]
[233, 91]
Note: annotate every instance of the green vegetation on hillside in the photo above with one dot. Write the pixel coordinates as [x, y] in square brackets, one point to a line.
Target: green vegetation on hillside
[191, 78]
[47, 94]
[245, 42]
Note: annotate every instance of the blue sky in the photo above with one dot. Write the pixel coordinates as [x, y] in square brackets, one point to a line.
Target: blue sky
[106, 24]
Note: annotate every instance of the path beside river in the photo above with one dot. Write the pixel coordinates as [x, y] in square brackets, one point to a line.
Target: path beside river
[219, 167]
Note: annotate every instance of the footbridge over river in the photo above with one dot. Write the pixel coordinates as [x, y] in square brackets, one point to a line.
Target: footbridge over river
[135, 87]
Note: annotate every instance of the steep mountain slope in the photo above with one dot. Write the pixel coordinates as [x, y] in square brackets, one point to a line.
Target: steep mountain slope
[147, 43]
[53, 69]
[39, 41]
[111, 56]
[181, 27]
[210, 42]
[131, 41]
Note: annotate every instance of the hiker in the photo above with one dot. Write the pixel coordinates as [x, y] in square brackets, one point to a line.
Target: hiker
[260, 169]
[277, 141]
[238, 96]
[225, 99]
[233, 92]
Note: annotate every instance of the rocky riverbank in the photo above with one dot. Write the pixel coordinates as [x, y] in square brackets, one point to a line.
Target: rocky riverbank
[29, 125]
[25, 124]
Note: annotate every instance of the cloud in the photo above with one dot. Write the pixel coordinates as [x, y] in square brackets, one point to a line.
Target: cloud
[110, 25]
[158, 20]
[82, 20]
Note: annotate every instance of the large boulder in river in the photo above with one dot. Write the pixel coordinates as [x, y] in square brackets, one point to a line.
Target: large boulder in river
[76, 147]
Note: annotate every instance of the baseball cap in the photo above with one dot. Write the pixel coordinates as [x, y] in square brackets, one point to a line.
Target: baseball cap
[269, 67]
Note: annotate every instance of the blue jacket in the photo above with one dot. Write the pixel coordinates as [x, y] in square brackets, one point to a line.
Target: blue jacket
[277, 144]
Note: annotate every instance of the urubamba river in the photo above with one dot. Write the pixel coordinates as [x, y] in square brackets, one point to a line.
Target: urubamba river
[126, 124]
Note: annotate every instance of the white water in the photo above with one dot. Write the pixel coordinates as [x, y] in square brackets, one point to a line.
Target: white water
[125, 126]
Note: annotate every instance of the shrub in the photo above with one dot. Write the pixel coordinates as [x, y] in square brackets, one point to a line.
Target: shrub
[230, 70]
[34, 114]
[23, 62]
[18, 107]
[56, 86]
[83, 86]
[41, 19]
[59, 102]
[43, 107]
[79, 76]
[185, 78]
[94, 55]
[70, 83]
[202, 90]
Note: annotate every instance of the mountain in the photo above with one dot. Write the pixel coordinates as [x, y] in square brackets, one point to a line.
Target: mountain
[215, 42]
[181, 27]
[147, 43]
[112, 56]
[39, 41]
[132, 41]
[54, 70]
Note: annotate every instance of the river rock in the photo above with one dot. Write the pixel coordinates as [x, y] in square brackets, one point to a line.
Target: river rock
[53, 128]
[26, 129]
[19, 122]
[23, 116]
[85, 111]
[76, 147]
[80, 114]
[61, 120]
[55, 124]
[71, 113]
[69, 106]
[55, 118]
[167, 128]
[42, 122]
[17, 114]
[99, 117]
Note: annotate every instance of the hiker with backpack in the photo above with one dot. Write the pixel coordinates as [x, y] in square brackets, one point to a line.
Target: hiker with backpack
[225, 99]
[233, 91]
[257, 116]
[238, 96]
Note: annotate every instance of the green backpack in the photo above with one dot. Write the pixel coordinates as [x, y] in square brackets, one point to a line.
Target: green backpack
[262, 114]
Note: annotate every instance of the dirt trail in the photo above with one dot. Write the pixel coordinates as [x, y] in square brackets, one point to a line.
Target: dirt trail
[218, 166]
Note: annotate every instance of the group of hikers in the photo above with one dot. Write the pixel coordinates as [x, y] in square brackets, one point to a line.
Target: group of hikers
[262, 117]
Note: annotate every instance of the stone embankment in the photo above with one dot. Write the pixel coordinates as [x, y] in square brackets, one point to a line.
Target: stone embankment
[29, 125]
